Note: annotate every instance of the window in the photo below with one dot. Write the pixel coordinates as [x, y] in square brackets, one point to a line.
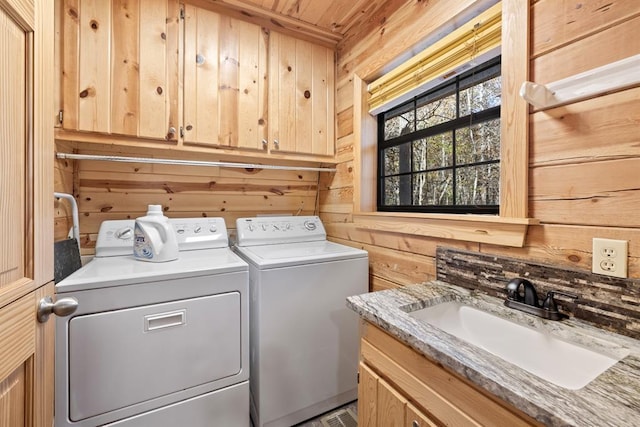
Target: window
[440, 151]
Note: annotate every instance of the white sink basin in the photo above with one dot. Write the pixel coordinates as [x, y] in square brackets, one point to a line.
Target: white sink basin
[563, 363]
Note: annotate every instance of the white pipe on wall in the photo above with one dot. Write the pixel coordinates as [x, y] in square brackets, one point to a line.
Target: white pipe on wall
[74, 213]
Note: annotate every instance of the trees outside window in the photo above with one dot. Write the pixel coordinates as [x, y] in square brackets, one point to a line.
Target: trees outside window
[440, 151]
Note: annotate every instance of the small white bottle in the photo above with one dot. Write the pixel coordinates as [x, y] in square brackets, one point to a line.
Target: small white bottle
[154, 238]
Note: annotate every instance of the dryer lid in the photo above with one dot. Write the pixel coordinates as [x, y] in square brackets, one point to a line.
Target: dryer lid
[127, 270]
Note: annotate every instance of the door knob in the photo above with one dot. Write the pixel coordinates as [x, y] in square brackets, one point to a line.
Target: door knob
[62, 307]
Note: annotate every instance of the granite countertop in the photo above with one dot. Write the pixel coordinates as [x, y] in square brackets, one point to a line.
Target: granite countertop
[612, 399]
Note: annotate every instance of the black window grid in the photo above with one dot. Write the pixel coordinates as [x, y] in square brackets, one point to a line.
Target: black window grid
[478, 75]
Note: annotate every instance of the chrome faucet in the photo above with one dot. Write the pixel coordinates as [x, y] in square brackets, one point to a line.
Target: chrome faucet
[522, 296]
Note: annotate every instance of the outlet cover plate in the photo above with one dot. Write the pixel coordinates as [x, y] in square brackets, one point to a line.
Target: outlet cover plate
[610, 257]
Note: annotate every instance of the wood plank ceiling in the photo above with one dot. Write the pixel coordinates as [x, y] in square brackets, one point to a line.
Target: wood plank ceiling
[332, 15]
[327, 20]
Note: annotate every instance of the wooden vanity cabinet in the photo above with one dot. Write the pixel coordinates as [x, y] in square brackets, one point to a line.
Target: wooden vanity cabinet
[400, 387]
[120, 67]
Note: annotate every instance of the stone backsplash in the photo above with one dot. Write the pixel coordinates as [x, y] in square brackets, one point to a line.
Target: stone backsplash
[605, 302]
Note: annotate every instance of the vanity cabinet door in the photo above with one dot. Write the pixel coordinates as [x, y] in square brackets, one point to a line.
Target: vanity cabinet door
[367, 397]
[380, 405]
[120, 67]
[415, 418]
[391, 406]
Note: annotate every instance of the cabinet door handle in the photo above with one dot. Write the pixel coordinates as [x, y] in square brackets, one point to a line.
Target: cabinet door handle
[265, 143]
[200, 59]
[276, 143]
[415, 424]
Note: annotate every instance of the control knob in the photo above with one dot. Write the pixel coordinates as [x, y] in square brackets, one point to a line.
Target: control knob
[309, 225]
[124, 233]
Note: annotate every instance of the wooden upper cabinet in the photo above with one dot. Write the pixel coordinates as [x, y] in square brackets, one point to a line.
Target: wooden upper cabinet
[135, 68]
[120, 67]
[301, 96]
[250, 88]
[225, 81]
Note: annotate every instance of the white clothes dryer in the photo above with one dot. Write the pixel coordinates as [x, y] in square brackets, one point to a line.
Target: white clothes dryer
[155, 344]
[304, 340]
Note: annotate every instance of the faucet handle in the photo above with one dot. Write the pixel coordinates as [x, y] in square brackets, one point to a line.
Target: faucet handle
[550, 304]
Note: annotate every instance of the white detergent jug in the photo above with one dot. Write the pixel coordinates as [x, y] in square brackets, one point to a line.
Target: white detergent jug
[154, 238]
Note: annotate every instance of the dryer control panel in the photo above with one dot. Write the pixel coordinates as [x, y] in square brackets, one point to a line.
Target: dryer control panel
[270, 230]
[115, 237]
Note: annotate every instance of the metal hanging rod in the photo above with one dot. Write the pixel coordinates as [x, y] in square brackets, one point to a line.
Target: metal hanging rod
[187, 162]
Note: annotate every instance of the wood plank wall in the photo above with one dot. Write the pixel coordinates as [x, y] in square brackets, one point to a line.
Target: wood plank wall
[584, 157]
[582, 161]
[108, 190]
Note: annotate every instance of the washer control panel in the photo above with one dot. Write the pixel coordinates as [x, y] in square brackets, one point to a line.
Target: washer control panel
[279, 229]
[200, 233]
[115, 237]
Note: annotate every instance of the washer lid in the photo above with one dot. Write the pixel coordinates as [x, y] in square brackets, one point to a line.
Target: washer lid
[288, 254]
[127, 270]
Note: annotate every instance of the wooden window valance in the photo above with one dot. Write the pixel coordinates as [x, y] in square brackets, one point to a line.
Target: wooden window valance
[475, 41]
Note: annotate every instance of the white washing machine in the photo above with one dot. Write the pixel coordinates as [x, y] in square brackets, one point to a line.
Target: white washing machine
[304, 340]
[155, 344]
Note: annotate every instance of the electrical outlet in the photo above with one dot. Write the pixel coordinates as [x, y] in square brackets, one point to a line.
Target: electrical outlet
[610, 257]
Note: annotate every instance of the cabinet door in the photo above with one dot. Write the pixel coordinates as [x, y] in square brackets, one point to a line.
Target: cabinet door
[379, 404]
[391, 406]
[120, 67]
[225, 86]
[26, 214]
[415, 418]
[367, 396]
[301, 96]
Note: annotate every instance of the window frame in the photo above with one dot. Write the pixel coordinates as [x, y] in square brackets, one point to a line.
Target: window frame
[509, 228]
[453, 125]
